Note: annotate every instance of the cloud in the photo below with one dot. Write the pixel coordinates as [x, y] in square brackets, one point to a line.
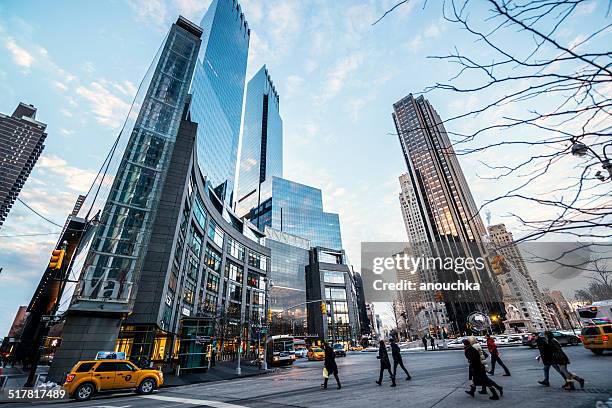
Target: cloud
[415, 44]
[586, 8]
[293, 83]
[150, 11]
[59, 85]
[21, 57]
[337, 77]
[76, 179]
[253, 9]
[66, 113]
[108, 108]
[192, 9]
[66, 132]
[126, 88]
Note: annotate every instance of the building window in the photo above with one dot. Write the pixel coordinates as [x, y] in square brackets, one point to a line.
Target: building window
[215, 233]
[233, 271]
[212, 259]
[212, 284]
[235, 292]
[257, 260]
[333, 277]
[199, 213]
[235, 249]
[335, 293]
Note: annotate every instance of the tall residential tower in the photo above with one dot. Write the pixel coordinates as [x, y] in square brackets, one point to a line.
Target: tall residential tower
[21, 142]
[452, 225]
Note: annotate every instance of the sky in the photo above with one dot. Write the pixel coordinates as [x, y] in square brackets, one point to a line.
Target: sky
[337, 76]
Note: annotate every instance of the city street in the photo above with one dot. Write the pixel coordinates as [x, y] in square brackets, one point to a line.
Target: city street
[439, 379]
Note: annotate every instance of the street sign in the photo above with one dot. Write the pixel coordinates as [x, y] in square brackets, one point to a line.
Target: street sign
[263, 330]
[51, 318]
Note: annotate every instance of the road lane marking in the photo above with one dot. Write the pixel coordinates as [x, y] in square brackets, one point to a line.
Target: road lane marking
[192, 401]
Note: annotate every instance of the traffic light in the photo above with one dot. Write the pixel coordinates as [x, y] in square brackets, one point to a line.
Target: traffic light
[497, 264]
[323, 308]
[269, 315]
[57, 257]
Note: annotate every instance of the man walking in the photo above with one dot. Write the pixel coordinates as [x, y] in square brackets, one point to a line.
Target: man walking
[432, 339]
[547, 359]
[397, 359]
[495, 356]
[424, 340]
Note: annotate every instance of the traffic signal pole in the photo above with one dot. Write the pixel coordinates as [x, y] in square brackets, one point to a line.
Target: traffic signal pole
[56, 263]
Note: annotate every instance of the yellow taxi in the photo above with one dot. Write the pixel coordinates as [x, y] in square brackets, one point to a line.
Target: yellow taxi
[597, 338]
[356, 348]
[316, 354]
[89, 377]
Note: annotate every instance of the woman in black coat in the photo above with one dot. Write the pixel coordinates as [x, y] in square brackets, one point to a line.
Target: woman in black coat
[478, 373]
[559, 358]
[385, 363]
[330, 366]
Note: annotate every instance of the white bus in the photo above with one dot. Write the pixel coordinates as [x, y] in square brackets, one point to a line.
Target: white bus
[597, 313]
[280, 350]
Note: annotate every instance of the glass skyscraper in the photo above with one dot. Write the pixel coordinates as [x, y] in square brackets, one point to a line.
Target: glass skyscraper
[298, 210]
[218, 89]
[262, 143]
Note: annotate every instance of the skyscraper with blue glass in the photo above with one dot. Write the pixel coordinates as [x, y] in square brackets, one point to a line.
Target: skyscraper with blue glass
[262, 143]
[218, 89]
[298, 209]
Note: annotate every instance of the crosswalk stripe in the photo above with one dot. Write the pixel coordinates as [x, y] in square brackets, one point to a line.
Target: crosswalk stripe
[192, 401]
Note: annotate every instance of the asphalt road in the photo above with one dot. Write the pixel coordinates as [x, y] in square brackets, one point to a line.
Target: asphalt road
[439, 380]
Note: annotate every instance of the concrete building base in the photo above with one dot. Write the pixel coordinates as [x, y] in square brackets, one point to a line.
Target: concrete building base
[83, 336]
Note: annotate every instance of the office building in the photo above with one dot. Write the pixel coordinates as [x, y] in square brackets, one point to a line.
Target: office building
[22, 140]
[287, 281]
[167, 269]
[261, 157]
[522, 297]
[218, 90]
[329, 280]
[298, 210]
[364, 322]
[449, 214]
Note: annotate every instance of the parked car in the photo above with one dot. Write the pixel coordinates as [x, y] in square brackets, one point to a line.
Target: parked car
[301, 352]
[92, 376]
[316, 354]
[339, 350]
[565, 339]
[597, 338]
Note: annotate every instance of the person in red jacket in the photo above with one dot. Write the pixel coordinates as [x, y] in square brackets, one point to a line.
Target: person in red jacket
[495, 356]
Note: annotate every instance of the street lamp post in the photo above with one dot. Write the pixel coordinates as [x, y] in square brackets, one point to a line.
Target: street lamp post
[580, 149]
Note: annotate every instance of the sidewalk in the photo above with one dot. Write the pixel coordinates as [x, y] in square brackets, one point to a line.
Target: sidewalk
[17, 376]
